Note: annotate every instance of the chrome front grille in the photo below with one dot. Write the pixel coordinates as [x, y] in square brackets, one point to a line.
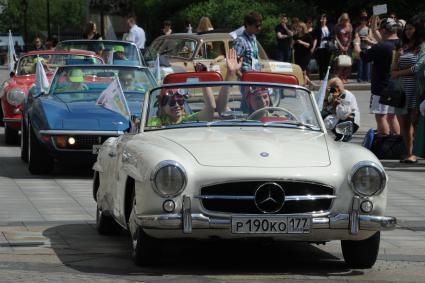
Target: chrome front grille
[239, 197]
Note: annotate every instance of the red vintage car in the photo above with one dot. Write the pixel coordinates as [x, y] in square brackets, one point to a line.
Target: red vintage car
[15, 89]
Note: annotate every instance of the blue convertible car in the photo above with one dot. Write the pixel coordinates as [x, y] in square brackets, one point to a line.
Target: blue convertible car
[66, 125]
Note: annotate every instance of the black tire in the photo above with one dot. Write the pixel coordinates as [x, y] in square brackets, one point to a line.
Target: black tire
[11, 136]
[361, 254]
[145, 249]
[39, 162]
[106, 224]
[24, 142]
[96, 184]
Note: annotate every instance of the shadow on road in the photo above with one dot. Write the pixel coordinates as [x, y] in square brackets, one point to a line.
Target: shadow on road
[14, 167]
[79, 247]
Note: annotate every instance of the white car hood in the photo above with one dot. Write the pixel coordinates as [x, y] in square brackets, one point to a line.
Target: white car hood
[253, 147]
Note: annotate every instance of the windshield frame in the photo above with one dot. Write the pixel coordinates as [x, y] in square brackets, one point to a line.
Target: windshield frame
[140, 57]
[61, 69]
[148, 96]
[55, 53]
[149, 53]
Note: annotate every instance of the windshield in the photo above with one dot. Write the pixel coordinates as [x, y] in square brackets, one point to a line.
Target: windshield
[27, 64]
[231, 105]
[72, 84]
[175, 47]
[116, 53]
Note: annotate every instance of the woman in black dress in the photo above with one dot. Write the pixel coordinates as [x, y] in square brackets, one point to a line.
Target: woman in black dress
[303, 42]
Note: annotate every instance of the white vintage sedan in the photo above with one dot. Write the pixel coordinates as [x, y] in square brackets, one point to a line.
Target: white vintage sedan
[238, 160]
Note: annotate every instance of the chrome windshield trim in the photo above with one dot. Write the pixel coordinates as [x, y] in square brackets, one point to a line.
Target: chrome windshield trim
[287, 198]
[77, 132]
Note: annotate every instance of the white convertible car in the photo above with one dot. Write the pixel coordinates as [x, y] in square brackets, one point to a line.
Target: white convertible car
[229, 160]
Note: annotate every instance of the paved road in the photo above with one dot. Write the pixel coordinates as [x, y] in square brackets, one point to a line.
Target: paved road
[47, 234]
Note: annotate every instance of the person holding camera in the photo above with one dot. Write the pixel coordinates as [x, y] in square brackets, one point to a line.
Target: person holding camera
[340, 106]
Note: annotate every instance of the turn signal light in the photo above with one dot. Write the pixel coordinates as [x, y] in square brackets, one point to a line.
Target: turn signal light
[60, 141]
[45, 138]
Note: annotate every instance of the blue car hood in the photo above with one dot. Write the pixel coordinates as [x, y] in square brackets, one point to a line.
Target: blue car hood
[86, 116]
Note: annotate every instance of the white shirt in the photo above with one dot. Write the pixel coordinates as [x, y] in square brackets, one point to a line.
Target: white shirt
[137, 35]
[352, 107]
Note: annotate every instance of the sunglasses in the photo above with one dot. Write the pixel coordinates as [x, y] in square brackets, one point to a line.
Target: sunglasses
[174, 100]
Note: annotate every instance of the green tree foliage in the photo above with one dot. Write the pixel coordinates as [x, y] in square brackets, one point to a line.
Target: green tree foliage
[68, 15]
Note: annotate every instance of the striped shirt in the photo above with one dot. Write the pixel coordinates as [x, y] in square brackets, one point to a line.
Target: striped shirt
[246, 47]
[407, 60]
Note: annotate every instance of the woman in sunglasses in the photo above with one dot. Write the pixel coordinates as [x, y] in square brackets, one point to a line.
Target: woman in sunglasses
[171, 106]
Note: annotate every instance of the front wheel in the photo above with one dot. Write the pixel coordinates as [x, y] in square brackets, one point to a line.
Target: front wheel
[145, 249]
[24, 142]
[39, 162]
[11, 136]
[106, 224]
[361, 254]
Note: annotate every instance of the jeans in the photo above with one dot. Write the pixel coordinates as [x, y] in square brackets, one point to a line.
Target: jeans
[284, 54]
[363, 70]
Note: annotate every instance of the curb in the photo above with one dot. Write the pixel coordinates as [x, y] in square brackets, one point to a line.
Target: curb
[349, 86]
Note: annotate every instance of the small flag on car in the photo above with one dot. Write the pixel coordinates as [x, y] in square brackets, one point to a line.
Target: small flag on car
[113, 98]
[11, 54]
[41, 80]
[157, 70]
[322, 91]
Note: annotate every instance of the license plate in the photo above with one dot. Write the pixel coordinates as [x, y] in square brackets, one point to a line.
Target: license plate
[271, 224]
[96, 148]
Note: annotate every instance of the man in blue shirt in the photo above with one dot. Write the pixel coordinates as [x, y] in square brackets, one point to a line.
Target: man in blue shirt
[247, 49]
[246, 44]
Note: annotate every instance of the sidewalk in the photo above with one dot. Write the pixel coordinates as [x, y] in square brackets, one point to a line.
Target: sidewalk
[351, 85]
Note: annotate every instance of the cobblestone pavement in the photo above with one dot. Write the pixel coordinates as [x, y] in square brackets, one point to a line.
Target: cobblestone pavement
[47, 234]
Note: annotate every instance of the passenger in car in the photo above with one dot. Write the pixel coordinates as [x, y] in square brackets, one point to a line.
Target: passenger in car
[128, 82]
[171, 102]
[74, 82]
[119, 53]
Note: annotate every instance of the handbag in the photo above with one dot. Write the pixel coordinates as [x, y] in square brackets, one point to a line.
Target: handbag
[388, 146]
[343, 61]
[393, 94]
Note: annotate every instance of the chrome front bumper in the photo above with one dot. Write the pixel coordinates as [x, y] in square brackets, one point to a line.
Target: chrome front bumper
[187, 221]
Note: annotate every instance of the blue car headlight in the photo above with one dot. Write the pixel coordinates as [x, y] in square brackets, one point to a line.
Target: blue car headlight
[168, 178]
[367, 178]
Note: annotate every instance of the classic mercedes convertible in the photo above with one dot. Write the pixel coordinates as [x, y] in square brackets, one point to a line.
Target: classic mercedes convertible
[237, 160]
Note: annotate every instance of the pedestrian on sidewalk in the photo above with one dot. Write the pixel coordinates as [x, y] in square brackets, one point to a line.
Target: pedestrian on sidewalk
[303, 42]
[363, 32]
[343, 36]
[284, 39]
[91, 32]
[406, 57]
[246, 48]
[136, 34]
[322, 45]
[418, 69]
[381, 55]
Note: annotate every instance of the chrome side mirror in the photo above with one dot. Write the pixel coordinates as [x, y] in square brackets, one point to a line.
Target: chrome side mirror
[344, 128]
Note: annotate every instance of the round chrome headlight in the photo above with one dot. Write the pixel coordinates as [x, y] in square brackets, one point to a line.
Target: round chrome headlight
[15, 96]
[168, 179]
[367, 178]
